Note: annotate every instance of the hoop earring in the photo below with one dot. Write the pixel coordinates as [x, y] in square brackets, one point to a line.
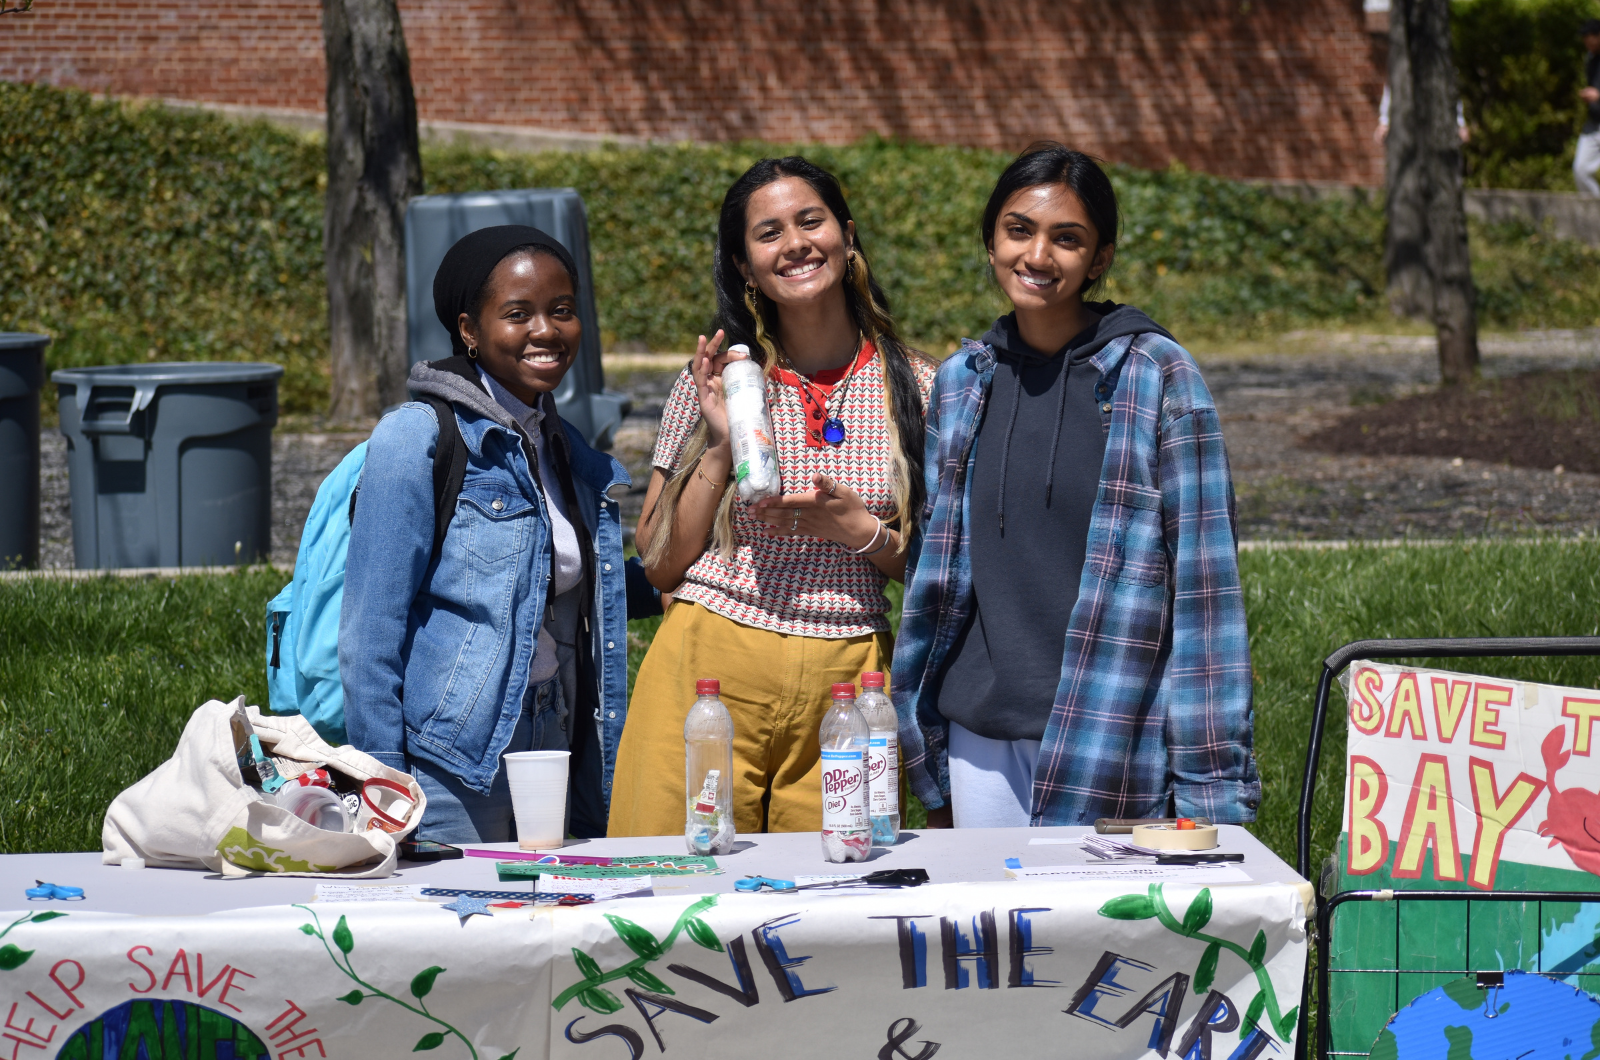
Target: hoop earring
[850, 265]
[751, 301]
[472, 353]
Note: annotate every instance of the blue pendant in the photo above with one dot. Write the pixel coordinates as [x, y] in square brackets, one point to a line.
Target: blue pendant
[833, 431]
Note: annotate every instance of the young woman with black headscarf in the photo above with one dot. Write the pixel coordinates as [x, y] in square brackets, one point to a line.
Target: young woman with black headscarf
[513, 635]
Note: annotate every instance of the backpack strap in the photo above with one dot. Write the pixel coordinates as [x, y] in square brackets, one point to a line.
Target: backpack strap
[449, 469]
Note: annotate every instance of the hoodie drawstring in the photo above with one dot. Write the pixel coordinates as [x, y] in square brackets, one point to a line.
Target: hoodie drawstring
[1055, 439]
[1005, 448]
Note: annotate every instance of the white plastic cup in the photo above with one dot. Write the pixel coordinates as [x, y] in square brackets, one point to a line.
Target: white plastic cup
[316, 806]
[538, 781]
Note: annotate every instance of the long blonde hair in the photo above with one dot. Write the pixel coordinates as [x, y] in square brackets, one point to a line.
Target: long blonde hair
[747, 316]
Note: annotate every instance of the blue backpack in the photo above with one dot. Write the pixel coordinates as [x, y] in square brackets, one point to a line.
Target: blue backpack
[303, 619]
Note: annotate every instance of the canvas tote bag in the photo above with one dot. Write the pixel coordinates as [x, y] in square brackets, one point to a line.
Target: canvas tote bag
[196, 810]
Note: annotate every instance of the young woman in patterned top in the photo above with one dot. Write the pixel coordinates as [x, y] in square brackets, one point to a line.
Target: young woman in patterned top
[783, 598]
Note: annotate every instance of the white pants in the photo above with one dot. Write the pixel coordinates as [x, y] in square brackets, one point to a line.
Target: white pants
[991, 781]
[1586, 162]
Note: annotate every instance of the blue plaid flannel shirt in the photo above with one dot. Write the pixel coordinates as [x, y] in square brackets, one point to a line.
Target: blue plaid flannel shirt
[1153, 711]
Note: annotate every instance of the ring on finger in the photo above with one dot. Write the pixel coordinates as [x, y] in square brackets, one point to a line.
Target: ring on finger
[795, 526]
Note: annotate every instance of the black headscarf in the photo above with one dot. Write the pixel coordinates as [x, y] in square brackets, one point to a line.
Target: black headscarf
[467, 265]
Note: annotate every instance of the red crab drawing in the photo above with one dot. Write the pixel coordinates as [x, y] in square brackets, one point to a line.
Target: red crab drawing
[1572, 817]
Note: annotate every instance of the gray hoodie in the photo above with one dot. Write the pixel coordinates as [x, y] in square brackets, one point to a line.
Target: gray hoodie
[1036, 475]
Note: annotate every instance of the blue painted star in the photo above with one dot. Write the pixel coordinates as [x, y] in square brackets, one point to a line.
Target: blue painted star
[465, 907]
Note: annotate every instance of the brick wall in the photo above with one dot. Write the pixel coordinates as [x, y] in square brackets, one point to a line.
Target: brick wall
[1282, 89]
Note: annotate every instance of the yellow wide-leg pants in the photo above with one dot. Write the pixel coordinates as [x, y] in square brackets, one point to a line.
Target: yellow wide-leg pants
[776, 686]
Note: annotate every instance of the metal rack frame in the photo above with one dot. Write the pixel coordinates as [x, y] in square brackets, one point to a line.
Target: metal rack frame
[1426, 648]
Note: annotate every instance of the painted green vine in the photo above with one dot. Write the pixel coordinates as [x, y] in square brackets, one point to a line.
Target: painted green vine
[13, 956]
[1197, 916]
[591, 992]
[421, 985]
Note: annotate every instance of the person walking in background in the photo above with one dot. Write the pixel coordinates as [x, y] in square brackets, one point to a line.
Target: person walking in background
[1586, 161]
[511, 633]
[1073, 642]
[782, 598]
[1381, 133]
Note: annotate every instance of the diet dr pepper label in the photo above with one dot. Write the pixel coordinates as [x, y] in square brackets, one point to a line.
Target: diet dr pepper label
[844, 803]
[883, 773]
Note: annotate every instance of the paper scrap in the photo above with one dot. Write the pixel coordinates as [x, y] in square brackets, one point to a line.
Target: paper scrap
[1109, 848]
[602, 889]
[1153, 873]
[376, 892]
[1055, 841]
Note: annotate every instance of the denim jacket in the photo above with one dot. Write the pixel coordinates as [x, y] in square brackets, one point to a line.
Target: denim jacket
[1154, 704]
[435, 655]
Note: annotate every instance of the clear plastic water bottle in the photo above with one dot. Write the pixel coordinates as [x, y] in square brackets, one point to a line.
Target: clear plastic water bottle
[755, 453]
[883, 760]
[708, 772]
[846, 831]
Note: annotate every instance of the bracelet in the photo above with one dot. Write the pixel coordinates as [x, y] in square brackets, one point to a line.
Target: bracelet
[713, 485]
[867, 549]
[888, 536]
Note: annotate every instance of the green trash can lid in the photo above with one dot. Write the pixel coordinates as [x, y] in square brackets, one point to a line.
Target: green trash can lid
[22, 340]
[168, 373]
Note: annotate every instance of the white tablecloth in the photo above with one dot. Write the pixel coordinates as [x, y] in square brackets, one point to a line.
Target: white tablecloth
[974, 963]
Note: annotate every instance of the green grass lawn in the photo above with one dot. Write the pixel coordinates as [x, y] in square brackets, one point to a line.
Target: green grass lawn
[97, 677]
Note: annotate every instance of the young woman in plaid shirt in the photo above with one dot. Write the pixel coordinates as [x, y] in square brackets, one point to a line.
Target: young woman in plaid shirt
[1073, 643]
[780, 599]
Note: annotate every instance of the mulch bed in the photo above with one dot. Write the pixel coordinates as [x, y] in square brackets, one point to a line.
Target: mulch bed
[1538, 420]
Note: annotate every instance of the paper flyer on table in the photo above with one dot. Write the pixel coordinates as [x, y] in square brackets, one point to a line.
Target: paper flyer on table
[602, 889]
[379, 892]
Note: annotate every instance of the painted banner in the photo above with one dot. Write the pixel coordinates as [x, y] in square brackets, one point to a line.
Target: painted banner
[1095, 969]
[1454, 779]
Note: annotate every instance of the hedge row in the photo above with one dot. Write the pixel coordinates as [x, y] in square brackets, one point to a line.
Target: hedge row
[151, 234]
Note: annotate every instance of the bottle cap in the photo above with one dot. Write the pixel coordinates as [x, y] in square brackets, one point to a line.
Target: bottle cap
[707, 687]
[740, 348]
[872, 680]
[844, 688]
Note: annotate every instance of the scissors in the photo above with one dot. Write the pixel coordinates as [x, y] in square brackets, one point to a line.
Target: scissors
[46, 891]
[755, 883]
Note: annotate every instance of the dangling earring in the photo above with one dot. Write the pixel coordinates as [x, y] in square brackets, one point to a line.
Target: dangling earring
[472, 353]
[750, 301]
[850, 266]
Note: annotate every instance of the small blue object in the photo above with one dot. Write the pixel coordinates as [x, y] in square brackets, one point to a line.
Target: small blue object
[755, 883]
[833, 431]
[1013, 863]
[271, 779]
[464, 907]
[44, 892]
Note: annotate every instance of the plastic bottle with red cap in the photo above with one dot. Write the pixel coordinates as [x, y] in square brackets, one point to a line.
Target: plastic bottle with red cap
[708, 772]
[846, 829]
[883, 759]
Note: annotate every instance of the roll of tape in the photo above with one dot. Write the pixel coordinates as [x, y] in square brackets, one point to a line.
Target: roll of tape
[1167, 837]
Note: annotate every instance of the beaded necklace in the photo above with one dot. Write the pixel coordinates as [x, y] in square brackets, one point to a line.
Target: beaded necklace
[833, 429]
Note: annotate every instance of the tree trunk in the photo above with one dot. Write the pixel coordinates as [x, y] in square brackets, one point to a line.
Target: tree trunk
[374, 168]
[1430, 272]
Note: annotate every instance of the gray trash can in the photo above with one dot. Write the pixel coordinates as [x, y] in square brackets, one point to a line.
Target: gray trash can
[171, 464]
[435, 222]
[21, 376]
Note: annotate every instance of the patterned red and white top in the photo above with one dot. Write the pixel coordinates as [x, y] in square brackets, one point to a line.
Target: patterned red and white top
[799, 585]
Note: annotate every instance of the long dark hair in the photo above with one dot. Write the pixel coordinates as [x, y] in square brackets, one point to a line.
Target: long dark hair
[751, 318]
[1049, 162]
